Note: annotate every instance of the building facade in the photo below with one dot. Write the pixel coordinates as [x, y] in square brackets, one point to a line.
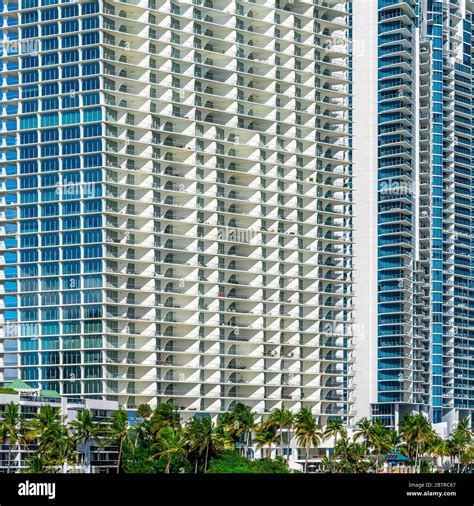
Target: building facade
[100, 459]
[176, 201]
[414, 234]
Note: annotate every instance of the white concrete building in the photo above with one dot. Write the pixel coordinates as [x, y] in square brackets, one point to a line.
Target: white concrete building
[221, 194]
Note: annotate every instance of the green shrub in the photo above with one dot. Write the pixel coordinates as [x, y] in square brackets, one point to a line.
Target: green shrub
[9, 391]
[230, 461]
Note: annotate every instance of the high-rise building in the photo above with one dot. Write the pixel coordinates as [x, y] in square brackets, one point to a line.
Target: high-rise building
[413, 186]
[176, 202]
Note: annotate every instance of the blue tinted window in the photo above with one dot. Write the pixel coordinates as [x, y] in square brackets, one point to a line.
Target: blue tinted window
[90, 8]
[50, 104]
[50, 89]
[30, 32]
[50, 135]
[90, 23]
[71, 148]
[50, 59]
[49, 14]
[49, 165]
[51, 29]
[29, 91]
[90, 54]
[29, 17]
[71, 208]
[91, 83]
[30, 106]
[49, 44]
[30, 76]
[70, 101]
[70, 26]
[70, 56]
[90, 68]
[71, 163]
[50, 74]
[70, 71]
[90, 99]
[29, 62]
[70, 11]
[70, 41]
[50, 180]
[69, 86]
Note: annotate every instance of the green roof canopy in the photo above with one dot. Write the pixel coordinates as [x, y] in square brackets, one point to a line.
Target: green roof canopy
[50, 393]
[19, 385]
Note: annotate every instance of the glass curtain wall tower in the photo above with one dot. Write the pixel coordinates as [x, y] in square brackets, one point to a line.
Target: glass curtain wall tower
[419, 341]
[176, 190]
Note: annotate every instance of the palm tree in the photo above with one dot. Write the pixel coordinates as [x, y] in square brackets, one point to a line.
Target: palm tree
[393, 438]
[165, 415]
[171, 443]
[376, 437]
[349, 456]
[193, 430]
[265, 436]
[119, 431]
[466, 458]
[10, 428]
[36, 465]
[308, 432]
[282, 418]
[47, 430]
[451, 451]
[86, 430]
[201, 437]
[46, 417]
[461, 438]
[144, 411]
[363, 430]
[334, 428]
[439, 449]
[64, 447]
[417, 431]
[379, 439]
[244, 423]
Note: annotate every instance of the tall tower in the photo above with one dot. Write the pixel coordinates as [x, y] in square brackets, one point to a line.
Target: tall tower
[416, 210]
[176, 189]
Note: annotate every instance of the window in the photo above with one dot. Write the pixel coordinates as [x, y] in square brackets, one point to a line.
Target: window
[51, 29]
[90, 38]
[70, 26]
[49, 44]
[70, 71]
[70, 56]
[50, 89]
[70, 41]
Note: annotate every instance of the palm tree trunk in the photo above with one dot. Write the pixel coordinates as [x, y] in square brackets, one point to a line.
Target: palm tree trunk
[9, 456]
[307, 456]
[206, 458]
[247, 439]
[168, 465]
[287, 444]
[196, 464]
[281, 440]
[119, 455]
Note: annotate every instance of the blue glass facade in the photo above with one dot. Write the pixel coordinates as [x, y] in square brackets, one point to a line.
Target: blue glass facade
[53, 182]
[425, 277]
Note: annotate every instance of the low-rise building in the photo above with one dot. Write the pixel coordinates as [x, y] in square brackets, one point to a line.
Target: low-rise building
[30, 400]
